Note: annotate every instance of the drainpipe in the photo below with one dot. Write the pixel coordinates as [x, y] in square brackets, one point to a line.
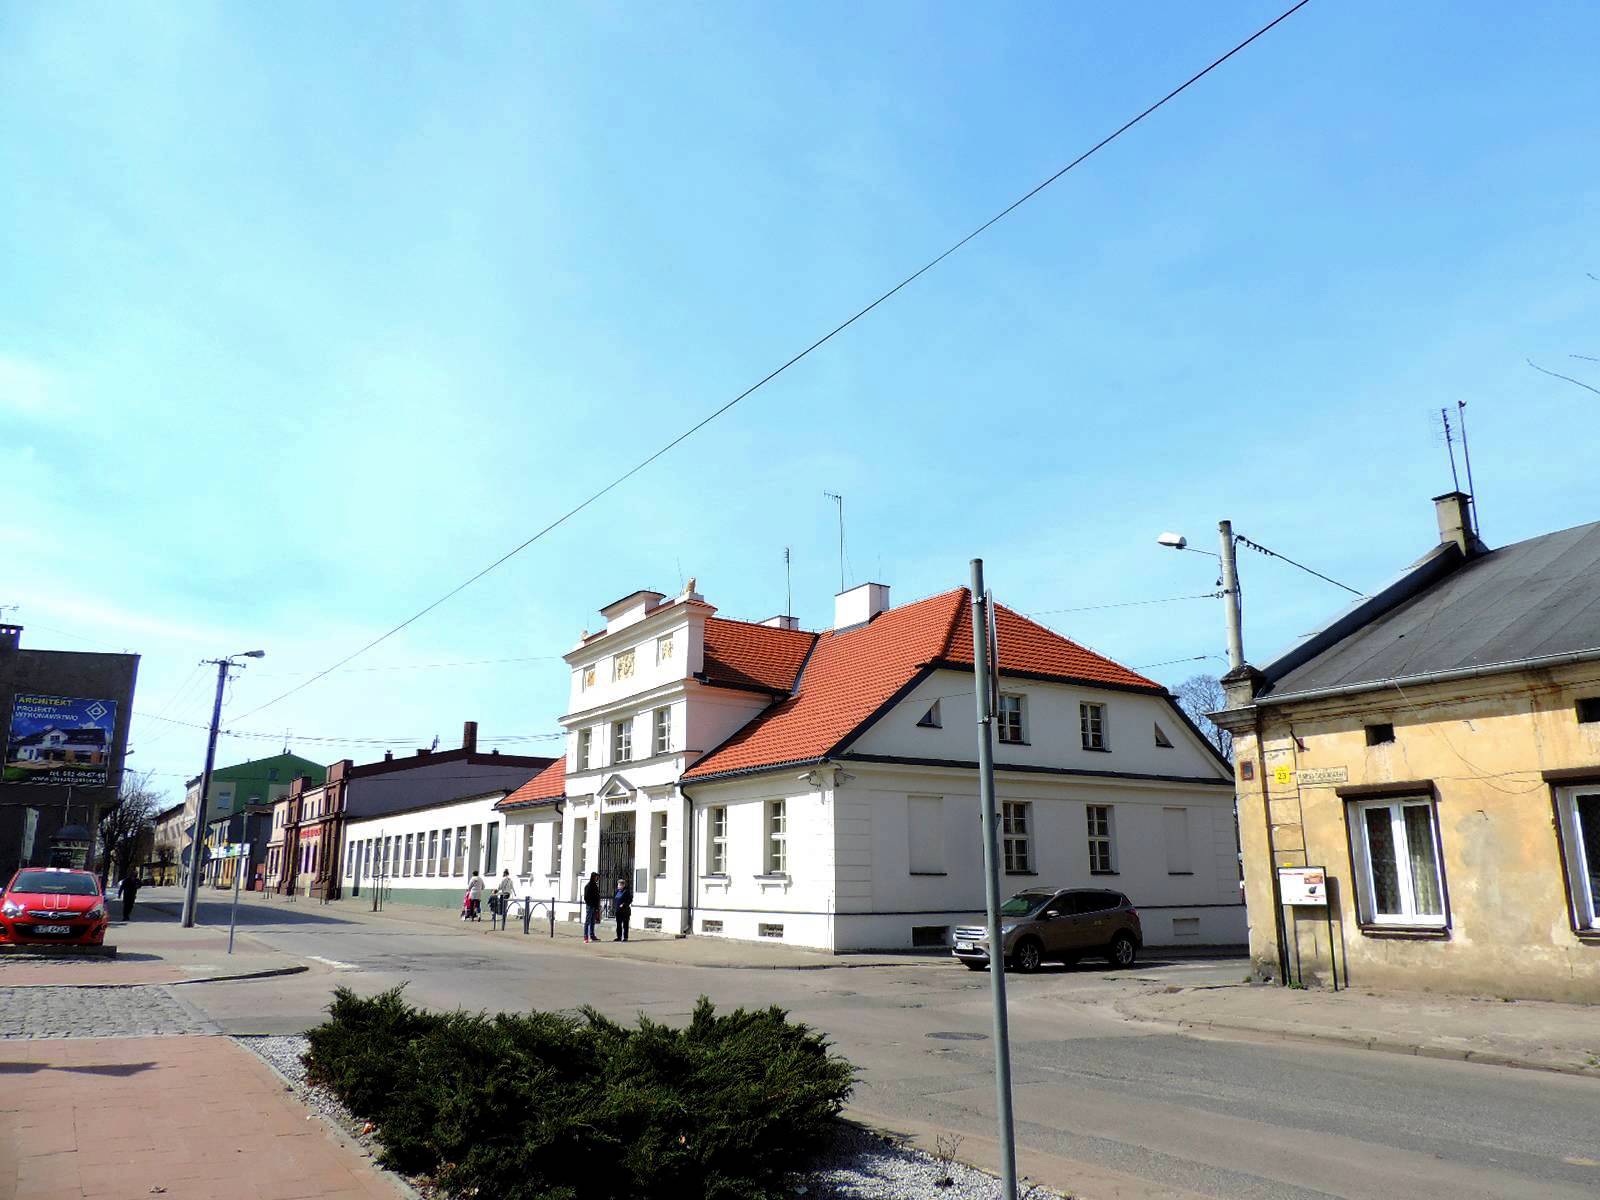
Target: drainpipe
[689, 880]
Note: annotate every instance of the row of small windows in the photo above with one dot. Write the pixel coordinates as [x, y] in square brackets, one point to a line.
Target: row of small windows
[435, 852]
[774, 842]
[624, 662]
[622, 739]
[1011, 723]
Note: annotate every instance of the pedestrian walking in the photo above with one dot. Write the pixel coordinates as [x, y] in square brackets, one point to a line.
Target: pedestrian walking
[472, 909]
[622, 909]
[591, 906]
[130, 892]
[503, 892]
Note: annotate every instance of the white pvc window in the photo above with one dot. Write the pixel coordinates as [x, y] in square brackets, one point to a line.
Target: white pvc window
[1008, 720]
[717, 841]
[1102, 840]
[663, 730]
[585, 747]
[1016, 836]
[1092, 726]
[660, 822]
[556, 830]
[777, 837]
[1578, 810]
[1400, 878]
[622, 741]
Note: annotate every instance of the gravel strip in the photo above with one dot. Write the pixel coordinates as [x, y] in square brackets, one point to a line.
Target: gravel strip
[860, 1165]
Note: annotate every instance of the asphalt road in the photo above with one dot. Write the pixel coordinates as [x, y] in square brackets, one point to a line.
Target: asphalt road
[1105, 1107]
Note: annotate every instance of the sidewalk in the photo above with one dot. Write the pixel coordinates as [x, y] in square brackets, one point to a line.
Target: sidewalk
[1520, 1033]
[154, 949]
[184, 1118]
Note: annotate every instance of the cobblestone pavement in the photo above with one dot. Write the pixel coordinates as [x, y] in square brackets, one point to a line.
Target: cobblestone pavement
[86, 1012]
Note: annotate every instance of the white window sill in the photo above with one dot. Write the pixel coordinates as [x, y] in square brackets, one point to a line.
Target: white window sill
[768, 882]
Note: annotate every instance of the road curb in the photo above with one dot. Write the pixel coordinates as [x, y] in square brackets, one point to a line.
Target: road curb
[1381, 1045]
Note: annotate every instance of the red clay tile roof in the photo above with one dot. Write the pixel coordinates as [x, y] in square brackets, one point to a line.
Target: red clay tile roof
[741, 654]
[852, 673]
[548, 786]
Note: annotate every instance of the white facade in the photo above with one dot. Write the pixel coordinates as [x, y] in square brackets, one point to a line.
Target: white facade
[879, 847]
[427, 855]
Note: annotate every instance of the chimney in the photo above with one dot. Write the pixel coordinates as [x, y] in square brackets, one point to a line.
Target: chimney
[782, 622]
[469, 737]
[860, 604]
[10, 637]
[1454, 510]
[388, 756]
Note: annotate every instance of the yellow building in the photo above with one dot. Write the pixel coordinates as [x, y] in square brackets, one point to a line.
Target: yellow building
[1435, 752]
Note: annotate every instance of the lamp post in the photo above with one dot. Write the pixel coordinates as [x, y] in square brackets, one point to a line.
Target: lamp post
[191, 892]
[1230, 584]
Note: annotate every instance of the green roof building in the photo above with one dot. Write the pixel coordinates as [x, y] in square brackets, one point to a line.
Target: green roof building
[259, 781]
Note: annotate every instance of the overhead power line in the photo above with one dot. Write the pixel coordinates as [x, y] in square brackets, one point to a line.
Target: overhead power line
[1260, 549]
[773, 374]
[1045, 612]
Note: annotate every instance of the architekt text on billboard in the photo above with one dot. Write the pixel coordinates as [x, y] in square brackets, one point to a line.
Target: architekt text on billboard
[60, 740]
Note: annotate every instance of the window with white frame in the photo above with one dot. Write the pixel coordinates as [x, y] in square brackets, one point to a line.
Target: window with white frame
[556, 830]
[1016, 836]
[580, 848]
[1008, 720]
[663, 729]
[1578, 811]
[622, 665]
[664, 648]
[444, 852]
[527, 851]
[405, 868]
[461, 849]
[1399, 880]
[585, 747]
[659, 842]
[1102, 841]
[717, 840]
[622, 740]
[433, 851]
[1092, 725]
[777, 837]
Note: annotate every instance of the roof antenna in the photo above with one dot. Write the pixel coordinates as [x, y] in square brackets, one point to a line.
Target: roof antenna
[1450, 445]
[1461, 413]
[788, 586]
[839, 500]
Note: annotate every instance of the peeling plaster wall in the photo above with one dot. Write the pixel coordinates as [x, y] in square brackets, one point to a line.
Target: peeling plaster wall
[1484, 745]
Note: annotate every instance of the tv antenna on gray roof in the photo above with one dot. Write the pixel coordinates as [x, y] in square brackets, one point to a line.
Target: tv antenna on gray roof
[1466, 453]
[1450, 447]
[788, 586]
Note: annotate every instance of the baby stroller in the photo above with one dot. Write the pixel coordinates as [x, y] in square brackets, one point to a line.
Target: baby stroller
[469, 908]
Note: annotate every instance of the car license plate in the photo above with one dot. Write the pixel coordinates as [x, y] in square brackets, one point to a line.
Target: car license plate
[965, 946]
[52, 929]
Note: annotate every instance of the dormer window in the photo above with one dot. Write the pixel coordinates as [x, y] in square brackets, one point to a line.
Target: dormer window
[664, 648]
[930, 719]
[622, 665]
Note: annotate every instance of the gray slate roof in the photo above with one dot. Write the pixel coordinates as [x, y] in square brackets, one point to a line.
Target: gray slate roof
[1528, 600]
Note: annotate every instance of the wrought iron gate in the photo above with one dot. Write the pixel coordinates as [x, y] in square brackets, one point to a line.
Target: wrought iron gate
[616, 851]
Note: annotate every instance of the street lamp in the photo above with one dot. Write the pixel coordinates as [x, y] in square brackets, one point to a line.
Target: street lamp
[1230, 585]
[191, 892]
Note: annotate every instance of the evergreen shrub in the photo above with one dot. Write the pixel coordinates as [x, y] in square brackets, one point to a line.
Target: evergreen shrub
[547, 1106]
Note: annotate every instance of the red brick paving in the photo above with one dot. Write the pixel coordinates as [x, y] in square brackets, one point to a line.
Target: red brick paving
[199, 1117]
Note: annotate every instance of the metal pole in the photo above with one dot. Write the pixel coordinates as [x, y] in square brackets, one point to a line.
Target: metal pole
[233, 913]
[190, 893]
[991, 885]
[1230, 596]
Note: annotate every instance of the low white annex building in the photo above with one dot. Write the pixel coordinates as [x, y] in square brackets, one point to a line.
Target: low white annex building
[753, 780]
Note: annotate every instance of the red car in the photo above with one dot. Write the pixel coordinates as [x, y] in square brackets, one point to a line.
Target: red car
[52, 906]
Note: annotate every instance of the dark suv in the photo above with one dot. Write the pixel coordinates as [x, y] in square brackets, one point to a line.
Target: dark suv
[1046, 923]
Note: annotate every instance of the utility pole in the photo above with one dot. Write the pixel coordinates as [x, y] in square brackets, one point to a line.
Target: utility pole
[981, 664]
[191, 892]
[1230, 596]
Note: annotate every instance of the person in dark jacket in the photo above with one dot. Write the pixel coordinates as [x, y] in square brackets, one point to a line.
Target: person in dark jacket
[591, 906]
[130, 891]
[622, 909]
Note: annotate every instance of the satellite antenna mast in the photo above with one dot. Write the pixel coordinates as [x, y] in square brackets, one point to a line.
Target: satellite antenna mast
[788, 586]
[1450, 446]
[839, 500]
[1466, 452]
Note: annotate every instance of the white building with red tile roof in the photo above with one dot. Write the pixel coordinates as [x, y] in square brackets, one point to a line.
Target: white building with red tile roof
[753, 780]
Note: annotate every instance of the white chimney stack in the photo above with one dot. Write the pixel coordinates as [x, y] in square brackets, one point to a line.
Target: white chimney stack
[860, 604]
[1454, 511]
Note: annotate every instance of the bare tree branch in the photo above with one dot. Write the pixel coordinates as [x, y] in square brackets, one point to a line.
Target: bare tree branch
[125, 830]
[1202, 694]
[1558, 375]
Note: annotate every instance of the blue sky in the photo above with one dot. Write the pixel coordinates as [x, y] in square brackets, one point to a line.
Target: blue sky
[312, 311]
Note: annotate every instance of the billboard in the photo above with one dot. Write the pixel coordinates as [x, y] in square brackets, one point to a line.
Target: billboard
[60, 740]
